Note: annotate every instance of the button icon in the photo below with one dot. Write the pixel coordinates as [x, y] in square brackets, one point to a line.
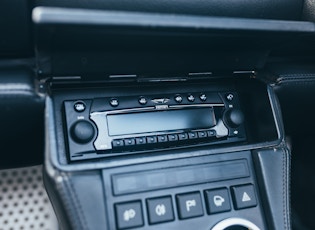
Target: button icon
[203, 97]
[189, 204]
[246, 197]
[129, 214]
[79, 106]
[114, 102]
[190, 98]
[218, 200]
[230, 97]
[142, 100]
[178, 98]
[160, 210]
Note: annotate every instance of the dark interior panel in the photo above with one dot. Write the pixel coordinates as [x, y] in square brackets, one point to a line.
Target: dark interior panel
[220, 93]
[290, 9]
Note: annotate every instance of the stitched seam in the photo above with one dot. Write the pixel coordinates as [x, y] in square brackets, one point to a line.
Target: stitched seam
[80, 210]
[64, 194]
[284, 190]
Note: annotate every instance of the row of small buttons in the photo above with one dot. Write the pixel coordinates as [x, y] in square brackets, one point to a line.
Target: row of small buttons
[114, 102]
[137, 141]
[160, 209]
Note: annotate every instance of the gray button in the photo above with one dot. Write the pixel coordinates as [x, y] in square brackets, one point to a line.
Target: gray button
[189, 205]
[218, 200]
[129, 215]
[244, 196]
[160, 210]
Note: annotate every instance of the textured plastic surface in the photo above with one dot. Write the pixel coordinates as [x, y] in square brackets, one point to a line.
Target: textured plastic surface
[24, 201]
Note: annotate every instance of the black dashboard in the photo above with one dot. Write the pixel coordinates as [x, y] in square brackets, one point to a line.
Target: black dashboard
[160, 114]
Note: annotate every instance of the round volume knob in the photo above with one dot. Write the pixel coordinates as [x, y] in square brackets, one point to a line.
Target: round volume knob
[233, 118]
[82, 132]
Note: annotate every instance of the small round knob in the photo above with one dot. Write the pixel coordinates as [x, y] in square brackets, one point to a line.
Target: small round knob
[82, 132]
[233, 118]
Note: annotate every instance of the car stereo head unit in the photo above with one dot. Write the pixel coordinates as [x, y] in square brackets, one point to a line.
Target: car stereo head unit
[110, 126]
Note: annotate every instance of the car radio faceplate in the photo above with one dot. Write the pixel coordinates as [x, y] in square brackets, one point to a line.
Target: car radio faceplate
[107, 126]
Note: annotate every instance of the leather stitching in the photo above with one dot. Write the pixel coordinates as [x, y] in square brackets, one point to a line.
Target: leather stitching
[78, 204]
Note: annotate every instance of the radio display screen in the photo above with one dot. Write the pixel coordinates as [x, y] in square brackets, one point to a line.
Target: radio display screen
[159, 121]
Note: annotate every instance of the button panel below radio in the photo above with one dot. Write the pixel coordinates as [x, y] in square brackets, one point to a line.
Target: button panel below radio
[173, 138]
[188, 205]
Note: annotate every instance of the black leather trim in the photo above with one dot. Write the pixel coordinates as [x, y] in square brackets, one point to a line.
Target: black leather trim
[78, 199]
[22, 119]
[269, 9]
[294, 86]
[15, 27]
[309, 10]
[273, 173]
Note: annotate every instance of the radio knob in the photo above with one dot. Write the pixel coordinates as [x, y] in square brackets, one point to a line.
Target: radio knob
[233, 118]
[82, 132]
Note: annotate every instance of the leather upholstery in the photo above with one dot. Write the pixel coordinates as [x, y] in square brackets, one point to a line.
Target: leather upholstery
[309, 10]
[273, 172]
[271, 9]
[22, 119]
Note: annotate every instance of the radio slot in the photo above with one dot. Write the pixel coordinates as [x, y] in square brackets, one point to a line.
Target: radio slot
[132, 124]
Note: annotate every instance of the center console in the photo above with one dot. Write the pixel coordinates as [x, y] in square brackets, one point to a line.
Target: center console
[182, 140]
[175, 155]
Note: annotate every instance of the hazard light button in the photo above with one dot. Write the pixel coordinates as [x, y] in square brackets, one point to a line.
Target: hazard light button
[244, 196]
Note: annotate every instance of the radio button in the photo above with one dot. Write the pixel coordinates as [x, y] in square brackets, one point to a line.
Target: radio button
[178, 98]
[142, 101]
[212, 133]
[82, 132]
[114, 102]
[191, 98]
[118, 143]
[203, 97]
[192, 135]
[202, 134]
[141, 140]
[129, 142]
[162, 138]
[183, 136]
[151, 139]
[172, 137]
[79, 106]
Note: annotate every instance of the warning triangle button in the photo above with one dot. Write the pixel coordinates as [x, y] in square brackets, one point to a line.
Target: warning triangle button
[246, 197]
